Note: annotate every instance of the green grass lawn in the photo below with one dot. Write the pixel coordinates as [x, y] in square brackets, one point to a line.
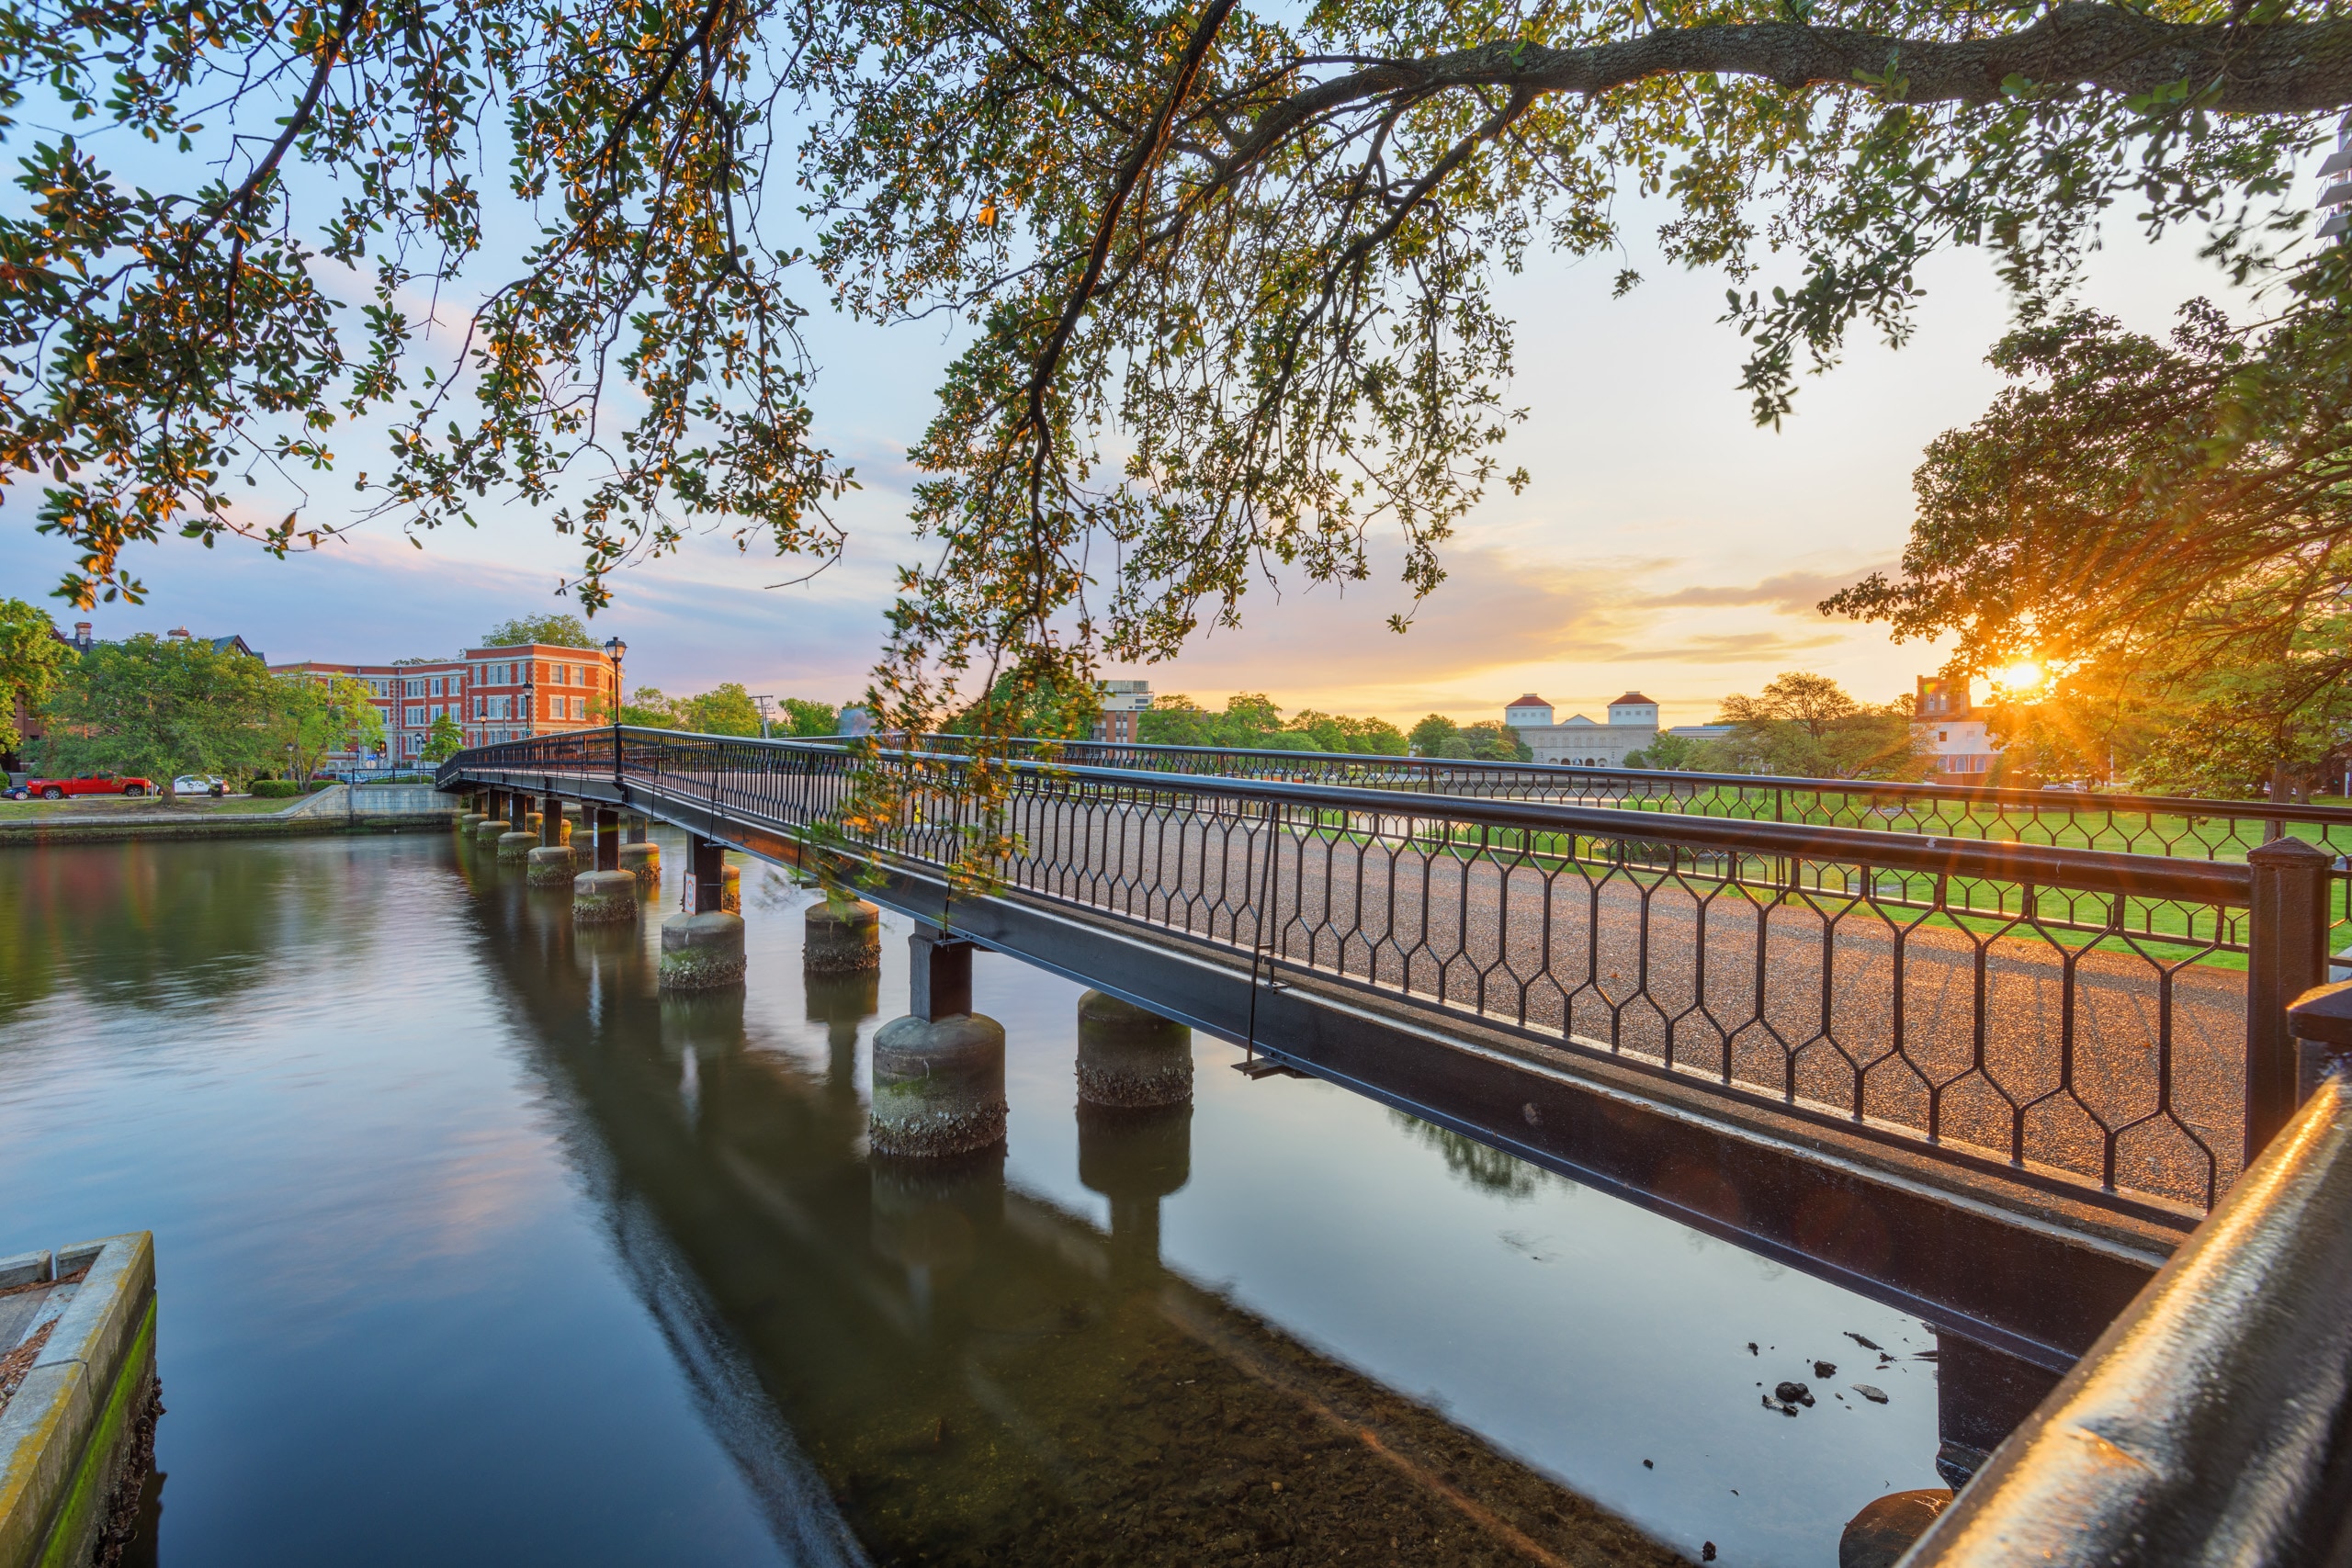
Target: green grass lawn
[104, 808]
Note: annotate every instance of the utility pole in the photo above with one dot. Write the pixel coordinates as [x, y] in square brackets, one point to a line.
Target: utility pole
[766, 705]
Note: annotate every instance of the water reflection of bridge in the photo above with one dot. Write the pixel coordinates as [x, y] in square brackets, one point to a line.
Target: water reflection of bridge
[961, 1371]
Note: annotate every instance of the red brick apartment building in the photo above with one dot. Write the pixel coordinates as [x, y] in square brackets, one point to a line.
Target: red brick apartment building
[494, 694]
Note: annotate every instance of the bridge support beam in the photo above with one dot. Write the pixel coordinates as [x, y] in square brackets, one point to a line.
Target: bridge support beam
[1131, 1056]
[702, 947]
[843, 938]
[604, 824]
[939, 1072]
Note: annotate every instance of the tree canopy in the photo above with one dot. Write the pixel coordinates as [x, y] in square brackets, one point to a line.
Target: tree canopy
[1250, 720]
[312, 715]
[2166, 526]
[1228, 272]
[1808, 726]
[31, 660]
[161, 708]
[556, 630]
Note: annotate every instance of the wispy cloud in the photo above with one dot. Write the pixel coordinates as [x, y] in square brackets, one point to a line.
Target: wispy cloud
[1495, 608]
[1789, 592]
[1725, 647]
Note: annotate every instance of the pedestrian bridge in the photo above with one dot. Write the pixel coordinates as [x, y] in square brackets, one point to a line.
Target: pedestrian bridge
[1993, 1082]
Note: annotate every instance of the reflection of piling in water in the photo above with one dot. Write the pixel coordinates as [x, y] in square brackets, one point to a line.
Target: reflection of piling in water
[934, 1217]
[843, 938]
[842, 1002]
[1134, 1157]
[1130, 1056]
[939, 1072]
[708, 1024]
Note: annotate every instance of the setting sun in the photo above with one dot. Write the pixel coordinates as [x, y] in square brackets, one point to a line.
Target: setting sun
[2022, 676]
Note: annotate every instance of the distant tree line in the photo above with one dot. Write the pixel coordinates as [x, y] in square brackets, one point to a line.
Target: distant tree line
[725, 709]
[161, 708]
[1801, 726]
[1252, 721]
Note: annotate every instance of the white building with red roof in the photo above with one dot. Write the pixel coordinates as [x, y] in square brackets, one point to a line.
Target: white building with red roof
[1581, 742]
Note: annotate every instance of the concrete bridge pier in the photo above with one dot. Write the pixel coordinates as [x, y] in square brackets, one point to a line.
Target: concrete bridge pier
[604, 893]
[1129, 1056]
[475, 813]
[493, 825]
[522, 835]
[550, 864]
[841, 938]
[640, 857]
[939, 1072]
[702, 946]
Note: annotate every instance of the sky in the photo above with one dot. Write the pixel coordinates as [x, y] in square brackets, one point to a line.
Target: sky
[1667, 544]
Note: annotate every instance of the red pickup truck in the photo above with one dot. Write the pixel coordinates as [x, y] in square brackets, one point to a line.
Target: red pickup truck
[89, 784]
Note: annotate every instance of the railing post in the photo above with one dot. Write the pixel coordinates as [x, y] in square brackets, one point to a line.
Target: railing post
[2286, 956]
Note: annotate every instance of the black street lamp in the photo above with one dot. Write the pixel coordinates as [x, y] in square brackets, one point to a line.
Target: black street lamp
[615, 649]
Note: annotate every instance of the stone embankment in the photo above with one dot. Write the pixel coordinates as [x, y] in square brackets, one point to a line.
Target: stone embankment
[336, 810]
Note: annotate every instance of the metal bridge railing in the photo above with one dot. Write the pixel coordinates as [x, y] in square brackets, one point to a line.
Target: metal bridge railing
[2212, 1422]
[2174, 827]
[2111, 1023]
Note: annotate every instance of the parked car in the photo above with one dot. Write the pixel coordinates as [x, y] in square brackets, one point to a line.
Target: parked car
[90, 783]
[16, 792]
[199, 784]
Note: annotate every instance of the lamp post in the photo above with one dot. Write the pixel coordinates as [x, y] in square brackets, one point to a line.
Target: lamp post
[616, 649]
[766, 705]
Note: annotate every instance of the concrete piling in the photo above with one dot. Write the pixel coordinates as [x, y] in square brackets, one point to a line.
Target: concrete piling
[702, 947]
[1130, 1057]
[489, 830]
[604, 897]
[939, 1073]
[551, 865]
[843, 938]
[516, 845]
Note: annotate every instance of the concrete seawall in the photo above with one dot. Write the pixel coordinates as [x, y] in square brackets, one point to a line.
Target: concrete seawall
[77, 1434]
[328, 811]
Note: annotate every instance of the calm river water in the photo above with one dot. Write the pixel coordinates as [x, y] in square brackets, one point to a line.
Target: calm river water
[473, 1251]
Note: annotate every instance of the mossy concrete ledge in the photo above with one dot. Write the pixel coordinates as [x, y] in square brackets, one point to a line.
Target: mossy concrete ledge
[842, 939]
[604, 897]
[702, 953]
[77, 1438]
[938, 1087]
[551, 865]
